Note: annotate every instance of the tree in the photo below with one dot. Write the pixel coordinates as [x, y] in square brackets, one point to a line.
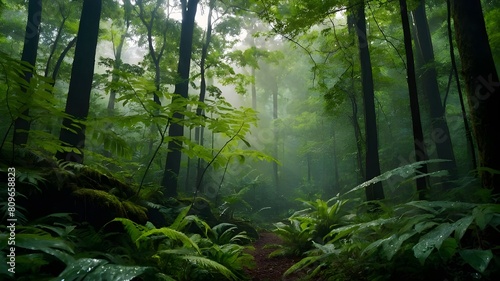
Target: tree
[176, 130]
[418, 136]
[482, 84]
[117, 51]
[152, 22]
[428, 79]
[31, 37]
[375, 191]
[77, 105]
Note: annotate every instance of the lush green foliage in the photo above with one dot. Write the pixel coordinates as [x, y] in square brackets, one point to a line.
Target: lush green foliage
[417, 240]
[297, 63]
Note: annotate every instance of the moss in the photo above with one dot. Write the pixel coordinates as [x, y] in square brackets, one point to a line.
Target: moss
[135, 211]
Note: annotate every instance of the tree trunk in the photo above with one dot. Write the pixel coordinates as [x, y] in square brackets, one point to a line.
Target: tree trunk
[483, 86]
[173, 163]
[80, 86]
[253, 89]
[116, 67]
[471, 149]
[440, 133]
[357, 135]
[275, 132]
[60, 60]
[375, 191]
[54, 46]
[418, 136]
[30, 48]
[203, 91]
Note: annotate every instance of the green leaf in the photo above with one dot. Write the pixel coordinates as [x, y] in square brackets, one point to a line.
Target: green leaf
[432, 240]
[481, 217]
[461, 226]
[448, 248]
[37, 242]
[478, 259]
[97, 269]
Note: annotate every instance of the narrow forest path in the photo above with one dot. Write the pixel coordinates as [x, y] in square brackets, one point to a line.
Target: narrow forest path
[270, 269]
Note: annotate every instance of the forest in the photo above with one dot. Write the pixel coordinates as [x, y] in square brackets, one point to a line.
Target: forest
[262, 140]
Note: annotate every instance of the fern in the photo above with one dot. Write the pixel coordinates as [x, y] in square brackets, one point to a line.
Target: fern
[209, 264]
[134, 230]
[166, 232]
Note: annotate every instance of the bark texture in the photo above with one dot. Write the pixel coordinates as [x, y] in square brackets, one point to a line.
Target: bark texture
[482, 84]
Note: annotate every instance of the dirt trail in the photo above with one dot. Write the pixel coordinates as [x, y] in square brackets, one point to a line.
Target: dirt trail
[270, 269]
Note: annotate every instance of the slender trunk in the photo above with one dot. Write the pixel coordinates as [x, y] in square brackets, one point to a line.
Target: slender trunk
[60, 60]
[173, 162]
[483, 86]
[253, 89]
[357, 136]
[203, 90]
[82, 72]
[375, 191]
[54, 46]
[155, 55]
[30, 48]
[275, 132]
[115, 77]
[468, 133]
[308, 159]
[418, 136]
[440, 132]
[336, 186]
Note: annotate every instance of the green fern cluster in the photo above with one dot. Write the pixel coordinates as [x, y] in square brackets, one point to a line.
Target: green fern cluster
[215, 255]
[308, 226]
[421, 240]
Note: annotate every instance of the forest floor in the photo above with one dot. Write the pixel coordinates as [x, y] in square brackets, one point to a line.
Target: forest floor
[270, 269]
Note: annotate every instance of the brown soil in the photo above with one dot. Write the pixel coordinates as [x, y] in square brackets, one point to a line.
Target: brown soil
[270, 269]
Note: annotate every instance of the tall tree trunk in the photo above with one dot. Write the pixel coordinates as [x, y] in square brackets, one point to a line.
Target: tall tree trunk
[357, 134]
[203, 89]
[468, 132]
[375, 191]
[80, 86]
[336, 186]
[30, 48]
[253, 89]
[440, 132]
[483, 86]
[418, 136]
[116, 67]
[173, 162]
[275, 132]
[351, 25]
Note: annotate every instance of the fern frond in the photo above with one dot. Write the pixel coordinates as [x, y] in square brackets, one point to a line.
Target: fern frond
[133, 229]
[168, 233]
[211, 265]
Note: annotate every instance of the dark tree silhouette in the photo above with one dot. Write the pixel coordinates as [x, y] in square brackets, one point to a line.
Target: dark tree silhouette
[440, 135]
[375, 191]
[173, 163]
[418, 136]
[31, 38]
[482, 84]
[82, 73]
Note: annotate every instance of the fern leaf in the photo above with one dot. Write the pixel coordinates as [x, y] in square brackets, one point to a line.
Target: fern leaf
[133, 229]
[211, 265]
[169, 233]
